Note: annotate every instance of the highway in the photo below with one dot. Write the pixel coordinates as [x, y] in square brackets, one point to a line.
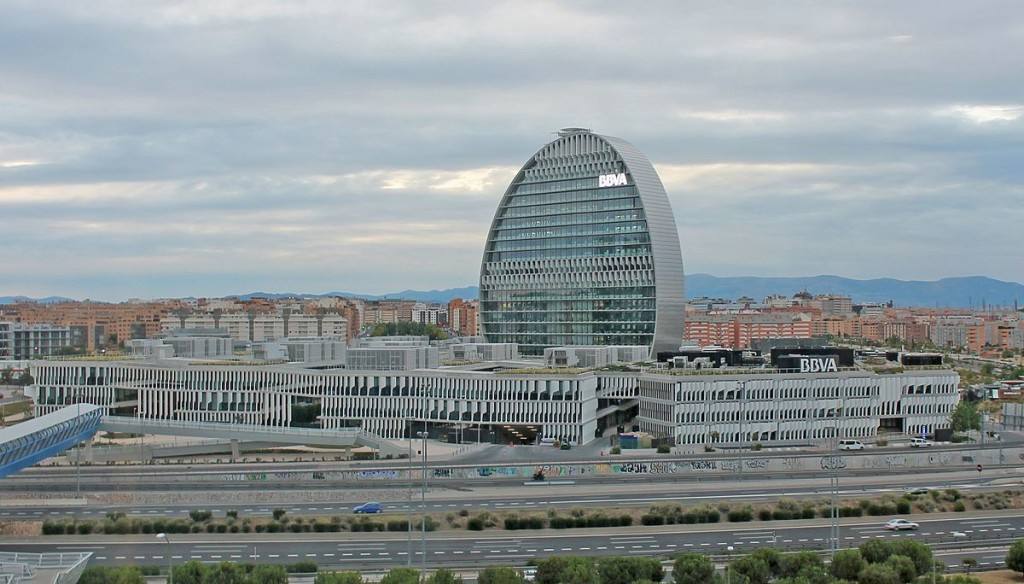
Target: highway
[262, 477]
[985, 534]
[540, 496]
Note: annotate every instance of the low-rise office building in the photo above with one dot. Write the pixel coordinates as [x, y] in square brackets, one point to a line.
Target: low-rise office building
[721, 406]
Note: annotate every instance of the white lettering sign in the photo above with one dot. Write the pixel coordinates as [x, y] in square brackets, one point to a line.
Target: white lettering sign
[612, 180]
[818, 365]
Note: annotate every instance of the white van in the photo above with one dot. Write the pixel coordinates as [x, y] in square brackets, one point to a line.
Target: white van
[850, 445]
[919, 443]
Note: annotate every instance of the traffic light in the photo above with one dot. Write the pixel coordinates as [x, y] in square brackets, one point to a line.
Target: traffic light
[979, 468]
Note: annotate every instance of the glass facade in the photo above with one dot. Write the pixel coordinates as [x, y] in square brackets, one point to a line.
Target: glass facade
[568, 260]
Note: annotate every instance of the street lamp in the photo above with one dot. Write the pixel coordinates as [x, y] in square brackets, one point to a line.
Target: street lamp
[170, 571]
[423, 501]
[408, 506]
[727, 578]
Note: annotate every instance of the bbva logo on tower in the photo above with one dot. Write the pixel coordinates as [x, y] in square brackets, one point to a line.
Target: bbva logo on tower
[818, 365]
[612, 180]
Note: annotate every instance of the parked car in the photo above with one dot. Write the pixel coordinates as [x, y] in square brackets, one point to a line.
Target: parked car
[919, 443]
[368, 508]
[850, 445]
[900, 525]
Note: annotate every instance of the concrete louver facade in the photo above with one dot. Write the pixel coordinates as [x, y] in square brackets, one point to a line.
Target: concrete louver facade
[583, 250]
[697, 408]
[563, 406]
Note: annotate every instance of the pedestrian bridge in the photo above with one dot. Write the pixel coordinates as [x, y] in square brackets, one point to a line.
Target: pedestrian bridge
[25, 444]
[337, 437]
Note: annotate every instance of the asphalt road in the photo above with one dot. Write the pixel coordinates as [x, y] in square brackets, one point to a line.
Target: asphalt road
[237, 478]
[540, 496]
[984, 536]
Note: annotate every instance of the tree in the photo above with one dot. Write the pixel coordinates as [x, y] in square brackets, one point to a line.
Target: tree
[903, 567]
[691, 568]
[875, 551]
[624, 570]
[1015, 556]
[756, 570]
[338, 578]
[918, 552]
[444, 576]
[771, 557]
[109, 575]
[965, 417]
[877, 574]
[191, 572]
[791, 565]
[225, 573]
[580, 572]
[562, 570]
[268, 574]
[847, 564]
[500, 575]
[401, 576]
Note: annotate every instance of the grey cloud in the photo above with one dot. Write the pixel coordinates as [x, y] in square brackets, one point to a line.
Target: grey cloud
[198, 135]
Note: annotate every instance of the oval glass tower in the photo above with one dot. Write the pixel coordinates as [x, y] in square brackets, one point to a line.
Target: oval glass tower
[583, 250]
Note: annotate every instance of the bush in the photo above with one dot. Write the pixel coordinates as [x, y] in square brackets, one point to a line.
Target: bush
[279, 513]
[499, 575]
[302, 567]
[338, 578]
[401, 576]
[477, 524]
[764, 514]
[877, 574]
[616, 450]
[959, 507]
[664, 449]
[740, 515]
[443, 576]
[200, 516]
[231, 514]
[903, 507]
[757, 446]
[652, 519]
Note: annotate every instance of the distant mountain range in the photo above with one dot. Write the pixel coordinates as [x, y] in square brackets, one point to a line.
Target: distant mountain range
[964, 292]
[45, 300]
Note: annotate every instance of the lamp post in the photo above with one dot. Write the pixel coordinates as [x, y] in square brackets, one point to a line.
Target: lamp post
[408, 506]
[423, 502]
[170, 570]
[727, 577]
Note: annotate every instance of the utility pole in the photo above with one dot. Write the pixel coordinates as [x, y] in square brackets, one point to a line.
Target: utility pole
[423, 500]
[408, 506]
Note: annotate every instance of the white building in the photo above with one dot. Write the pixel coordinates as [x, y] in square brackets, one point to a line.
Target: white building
[688, 408]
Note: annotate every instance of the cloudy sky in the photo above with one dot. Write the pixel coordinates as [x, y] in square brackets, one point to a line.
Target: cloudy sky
[205, 148]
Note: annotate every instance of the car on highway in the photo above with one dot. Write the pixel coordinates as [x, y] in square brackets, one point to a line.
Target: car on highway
[919, 443]
[917, 491]
[850, 445]
[368, 508]
[530, 574]
[900, 525]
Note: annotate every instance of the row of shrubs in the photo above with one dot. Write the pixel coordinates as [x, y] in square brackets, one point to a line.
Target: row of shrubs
[124, 525]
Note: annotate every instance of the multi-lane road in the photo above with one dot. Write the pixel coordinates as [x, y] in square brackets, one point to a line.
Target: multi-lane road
[532, 497]
[953, 537]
